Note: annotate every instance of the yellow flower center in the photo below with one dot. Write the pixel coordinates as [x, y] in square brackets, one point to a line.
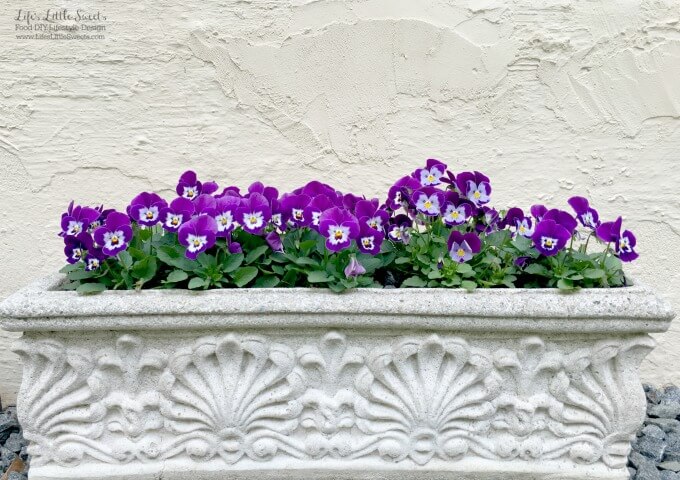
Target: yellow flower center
[522, 229]
[149, 215]
[338, 235]
[253, 219]
[477, 194]
[224, 221]
[428, 204]
[455, 214]
[114, 240]
[175, 221]
[549, 242]
[430, 178]
[190, 193]
[460, 252]
[367, 242]
[197, 242]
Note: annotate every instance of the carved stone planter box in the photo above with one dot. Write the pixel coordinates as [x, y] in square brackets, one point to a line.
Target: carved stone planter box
[299, 383]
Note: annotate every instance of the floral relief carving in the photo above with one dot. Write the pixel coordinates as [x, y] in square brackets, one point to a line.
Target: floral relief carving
[231, 396]
[58, 407]
[427, 398]
[328, 403]
[240, 396]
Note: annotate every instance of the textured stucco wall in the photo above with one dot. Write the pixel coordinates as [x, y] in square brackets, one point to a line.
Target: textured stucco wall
[549, 99]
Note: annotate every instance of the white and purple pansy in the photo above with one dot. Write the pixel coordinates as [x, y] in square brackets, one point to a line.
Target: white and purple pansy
[179, 211]
[225, 214]
[294, 209]
[432, 173]
[188, 185]
[399, 192]
[316, 207]
[550, 237]
[455, 211]
[525, 227]
[76, 247]
[624, 243]
[254, 213]
[77, 220]
[587, 215]
[339, 227]
[399, 229]
[115, 235]
[197, 235]
[474, 186]
[463, 246]
[94, 259]
[369, 213]
[145, 208]
[428, 201]
[369, 240]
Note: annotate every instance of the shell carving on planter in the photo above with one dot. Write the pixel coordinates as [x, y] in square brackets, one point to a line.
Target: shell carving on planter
[354, 386]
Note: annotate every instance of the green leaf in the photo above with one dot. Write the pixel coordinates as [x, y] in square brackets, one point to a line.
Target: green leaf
[125, 259]
[402, 260]
[244, 275]
[177, 276]
[145, 234]
[306, 261]
[197, 282]
[463, 268]
[468, 285]
[434, 274]
[496, 239]
[206, 260]
[232, 262]
[256, 253]
[174, 256]
[593, 273]
[71, 267]
[266, 281]
[565, 284]
[90, 288]
[136, 253]
[145, 269]
[538, 269]
[414, 281]
[80, 275]
[318, 276]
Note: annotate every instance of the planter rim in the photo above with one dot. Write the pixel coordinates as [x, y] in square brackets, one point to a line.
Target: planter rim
[40, 307]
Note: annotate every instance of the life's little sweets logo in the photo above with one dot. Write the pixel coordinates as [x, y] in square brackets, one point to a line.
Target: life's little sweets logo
[60, 24]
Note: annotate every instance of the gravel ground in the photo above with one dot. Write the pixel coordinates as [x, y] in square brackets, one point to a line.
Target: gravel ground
[13, 457]
[655, 454]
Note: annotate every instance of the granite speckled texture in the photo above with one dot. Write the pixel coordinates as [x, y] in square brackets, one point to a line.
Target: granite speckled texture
[303, 383]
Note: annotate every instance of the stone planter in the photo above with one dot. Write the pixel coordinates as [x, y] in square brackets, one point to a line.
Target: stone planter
[302, 383]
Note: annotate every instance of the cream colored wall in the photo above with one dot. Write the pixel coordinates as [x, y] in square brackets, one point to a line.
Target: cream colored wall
[550, 99]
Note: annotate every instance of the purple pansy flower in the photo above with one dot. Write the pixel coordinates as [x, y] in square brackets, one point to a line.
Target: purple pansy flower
[94, 259]
[76, 246]
[77, 219]
[188, 185]
[274, 241]
[512, 216]
[339, 227]
[354, 268]
[270, 193]
[293, 208]
[561, 218]
[432, 173]
[489, 220]
[526, 227]
[204, 204]
[254, 213]
[537, 211]
[145, 208]
[316, 207]
[428, 200]
[370, 240]
[115, 234]
[474, 186]
[399, 192]
[209, 188]
[225, 214]
[398, 229]
[463, 246]
[587, 215]
[550, 237]
[197, 235]
[455, 211]
[369, 213]
[235, 247]
[624, 243]
[100, 220]
[180, 210]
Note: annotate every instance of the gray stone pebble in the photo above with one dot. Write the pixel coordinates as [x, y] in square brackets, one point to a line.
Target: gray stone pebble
[12, 444]
[656, 450]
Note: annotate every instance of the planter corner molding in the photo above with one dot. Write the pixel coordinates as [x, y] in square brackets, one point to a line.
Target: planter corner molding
[307, 384]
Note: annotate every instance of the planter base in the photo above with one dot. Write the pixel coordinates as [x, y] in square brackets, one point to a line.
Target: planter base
[306, 385]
